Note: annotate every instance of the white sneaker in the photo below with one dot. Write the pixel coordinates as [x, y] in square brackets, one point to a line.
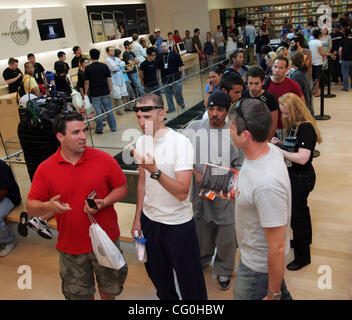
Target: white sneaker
[41, 227]
[7, 248]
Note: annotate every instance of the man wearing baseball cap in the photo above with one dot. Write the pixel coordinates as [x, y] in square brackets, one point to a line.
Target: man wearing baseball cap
[284, 34]
[215, 219]
[337, 38]
[158, 38]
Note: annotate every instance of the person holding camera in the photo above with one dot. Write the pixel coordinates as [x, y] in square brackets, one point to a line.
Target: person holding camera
[302, 130]
[61, 185]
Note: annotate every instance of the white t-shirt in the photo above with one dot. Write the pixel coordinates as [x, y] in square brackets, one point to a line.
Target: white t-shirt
[314, 46]
[173, 152]
[264, 201]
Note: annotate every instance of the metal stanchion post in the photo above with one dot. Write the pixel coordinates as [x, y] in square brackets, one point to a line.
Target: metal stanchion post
[322, 116]
[329, 94]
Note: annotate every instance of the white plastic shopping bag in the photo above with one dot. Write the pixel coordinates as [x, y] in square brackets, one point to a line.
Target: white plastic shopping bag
[77, 100]
[87, 109]
[107, 254]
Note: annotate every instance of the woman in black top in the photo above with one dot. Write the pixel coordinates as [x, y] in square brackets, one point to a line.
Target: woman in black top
[301, 134]
[83, 62]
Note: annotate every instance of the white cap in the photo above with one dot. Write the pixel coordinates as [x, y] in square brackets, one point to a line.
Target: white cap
[157, 30]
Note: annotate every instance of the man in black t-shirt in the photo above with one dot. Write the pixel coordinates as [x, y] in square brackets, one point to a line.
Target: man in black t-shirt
[345, 53]
[97, 79]
[131, 61]
[336, 37]
[38, 69]
[9, 198]
[171, 66]
[256, 79]
[147, 72]
[78, 55]
[13, 75]
[61, 70]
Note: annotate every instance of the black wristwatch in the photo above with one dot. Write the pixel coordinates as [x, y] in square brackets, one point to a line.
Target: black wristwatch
[155, 175]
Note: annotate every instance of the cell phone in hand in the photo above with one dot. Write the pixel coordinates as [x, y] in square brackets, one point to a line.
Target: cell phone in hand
[90, 200]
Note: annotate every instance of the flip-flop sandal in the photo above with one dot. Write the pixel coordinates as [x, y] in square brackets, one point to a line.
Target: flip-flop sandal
[22, 226]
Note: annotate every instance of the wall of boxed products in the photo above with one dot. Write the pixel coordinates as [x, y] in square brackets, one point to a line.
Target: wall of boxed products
[295, 12]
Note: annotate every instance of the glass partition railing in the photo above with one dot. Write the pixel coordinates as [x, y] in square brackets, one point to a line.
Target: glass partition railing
[183, 99]
[186, 93]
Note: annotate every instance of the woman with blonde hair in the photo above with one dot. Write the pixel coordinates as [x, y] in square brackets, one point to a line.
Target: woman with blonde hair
[282, 51]
[301, 137]
[269, 60]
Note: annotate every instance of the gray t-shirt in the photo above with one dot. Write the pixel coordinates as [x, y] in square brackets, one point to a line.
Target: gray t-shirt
[219, 36]
[213, 146]
[264, 201]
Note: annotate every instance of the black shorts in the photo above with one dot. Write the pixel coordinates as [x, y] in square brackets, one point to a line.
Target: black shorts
[316, 71]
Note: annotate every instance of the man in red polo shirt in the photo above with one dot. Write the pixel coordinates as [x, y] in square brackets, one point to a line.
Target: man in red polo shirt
[279, 84]
[60, 186]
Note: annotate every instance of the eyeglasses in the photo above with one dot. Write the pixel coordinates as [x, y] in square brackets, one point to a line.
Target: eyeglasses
[238, 109]
[146, 108]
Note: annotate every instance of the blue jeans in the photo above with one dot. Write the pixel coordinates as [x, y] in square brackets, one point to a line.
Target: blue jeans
[221, 53]
[346, 70]
[252, 285]
[174, 89]
[6, 236]
[259, 57]
[103, 104]
[151, 89]
[133, 76]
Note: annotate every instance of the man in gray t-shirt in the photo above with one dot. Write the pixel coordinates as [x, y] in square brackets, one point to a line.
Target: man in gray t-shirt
[215, 218]
[263, 205]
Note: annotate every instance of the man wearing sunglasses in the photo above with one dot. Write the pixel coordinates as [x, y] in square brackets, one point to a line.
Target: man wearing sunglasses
[263, 205]
[163, 212]
[215, 219]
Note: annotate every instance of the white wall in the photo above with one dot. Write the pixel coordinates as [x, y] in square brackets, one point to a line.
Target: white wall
[179, 15]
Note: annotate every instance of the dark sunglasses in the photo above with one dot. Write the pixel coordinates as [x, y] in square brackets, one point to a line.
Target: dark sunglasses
[238, 109]
[146, 108]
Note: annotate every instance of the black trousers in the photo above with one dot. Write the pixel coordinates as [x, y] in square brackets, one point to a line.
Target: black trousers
[335, 70]
[302, 184]
[174, 247]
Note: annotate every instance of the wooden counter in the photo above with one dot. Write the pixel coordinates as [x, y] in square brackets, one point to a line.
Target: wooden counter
[191, 60]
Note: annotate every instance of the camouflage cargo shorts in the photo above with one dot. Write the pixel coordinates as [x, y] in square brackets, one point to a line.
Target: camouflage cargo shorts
[77, 275]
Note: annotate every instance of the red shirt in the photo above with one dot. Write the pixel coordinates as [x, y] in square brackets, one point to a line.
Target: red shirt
[279, 89]
[96, 170]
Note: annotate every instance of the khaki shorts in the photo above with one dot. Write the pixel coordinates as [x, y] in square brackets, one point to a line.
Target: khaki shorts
[119, 91]
[77, 275]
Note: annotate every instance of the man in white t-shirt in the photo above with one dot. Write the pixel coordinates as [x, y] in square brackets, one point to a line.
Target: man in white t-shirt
[316, 47]
[163, 212]
[263, 205]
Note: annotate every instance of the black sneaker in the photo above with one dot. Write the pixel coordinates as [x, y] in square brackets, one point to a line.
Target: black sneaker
[22, 226]
[224, 282]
